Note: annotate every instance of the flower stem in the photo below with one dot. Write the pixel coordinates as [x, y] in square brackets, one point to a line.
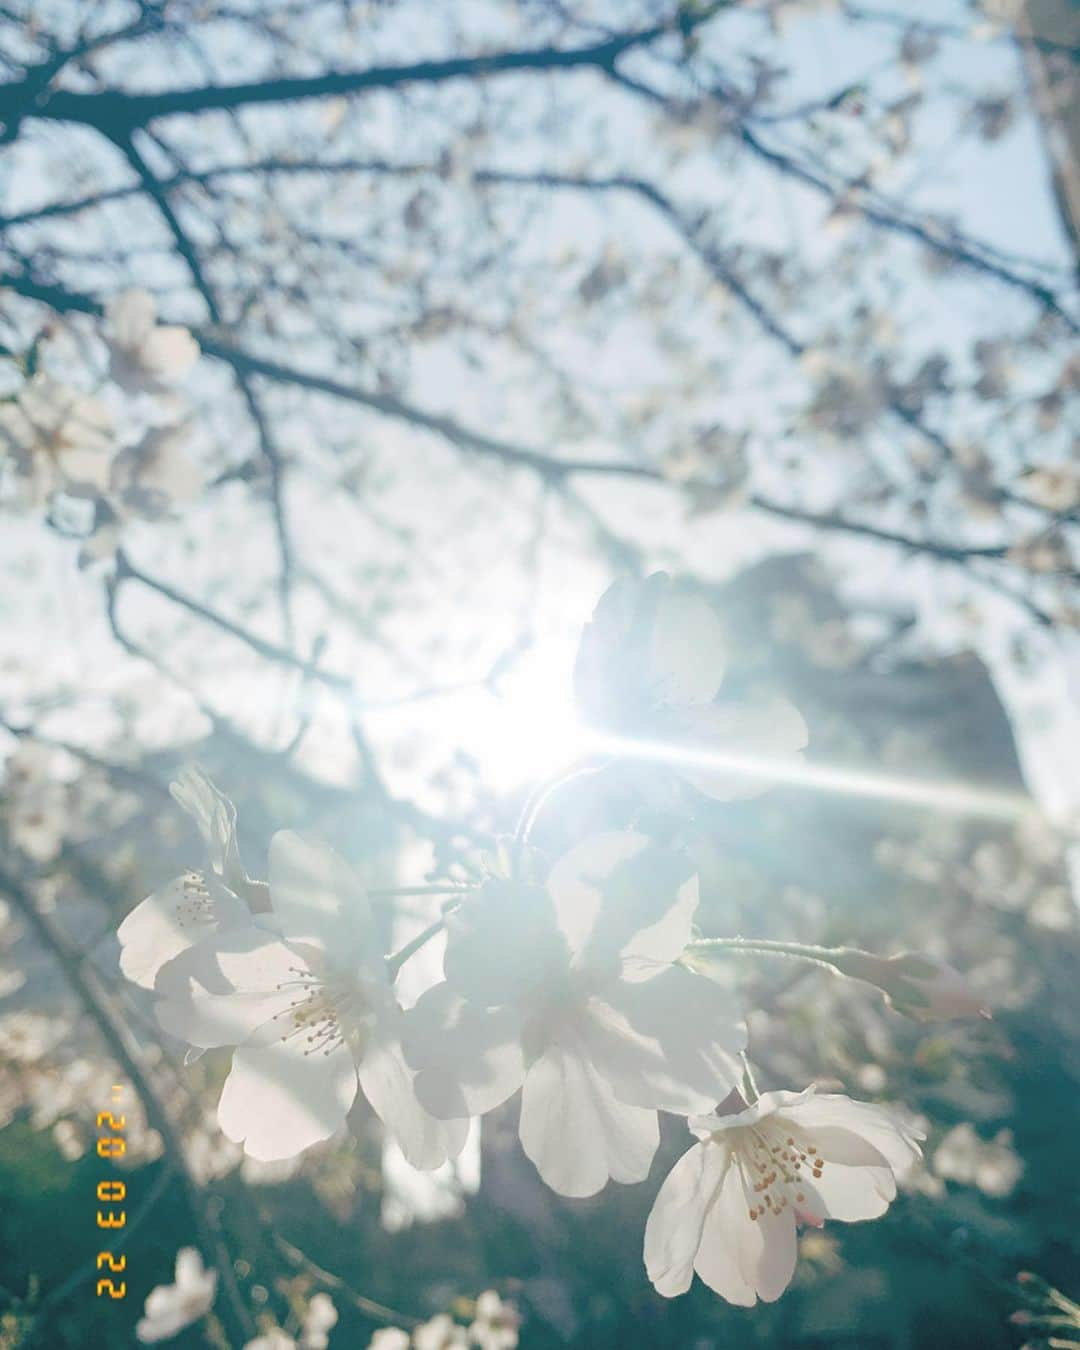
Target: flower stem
[822, 956]
[397, 959]
[544, 791]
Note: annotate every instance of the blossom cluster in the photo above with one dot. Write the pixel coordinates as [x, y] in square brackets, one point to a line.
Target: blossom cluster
[577, 982]
[98, 457]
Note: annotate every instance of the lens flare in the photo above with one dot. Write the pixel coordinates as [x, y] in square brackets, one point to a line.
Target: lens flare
[955, 797]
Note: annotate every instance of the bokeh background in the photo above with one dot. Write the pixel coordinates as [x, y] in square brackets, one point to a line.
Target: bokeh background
[496, 301]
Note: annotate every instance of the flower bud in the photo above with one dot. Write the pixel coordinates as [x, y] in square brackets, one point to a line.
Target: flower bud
[917, 986]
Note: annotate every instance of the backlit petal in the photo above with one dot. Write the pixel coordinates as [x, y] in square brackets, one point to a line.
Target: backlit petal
[467, 1059]
[575, 1131]
[279, 1099]
[317, 896]
[675, 1223]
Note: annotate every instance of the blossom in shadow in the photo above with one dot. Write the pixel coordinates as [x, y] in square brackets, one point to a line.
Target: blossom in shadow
[574, 992]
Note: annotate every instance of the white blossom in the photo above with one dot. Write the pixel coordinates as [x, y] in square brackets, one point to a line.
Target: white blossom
[172, 1307]
[495, 1323]
[145, 356]
[651, 668]
[305, 995]
[574, 992]
[390, 1338]
[992, 1165]
[55, 438]
[729, 1207]
[36, 802]
[441, 1333]
[155, 474]
[274, 1339]
[201, 901]
[320, 1318]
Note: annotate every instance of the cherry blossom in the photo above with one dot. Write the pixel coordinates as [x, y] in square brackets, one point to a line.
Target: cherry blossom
[305, 995]
[390, 1338]
[441, 1333]
[651, 667]
[200, 901]
[273, 1339]
[320, 1318]
[172, 1307]
[144, 356]
[586, 1008]
[55, 437]
[729, 1207]
[36, 809]
[495, 1324]
[155, 474]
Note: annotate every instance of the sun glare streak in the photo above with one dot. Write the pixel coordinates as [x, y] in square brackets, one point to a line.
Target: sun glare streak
[957, 798]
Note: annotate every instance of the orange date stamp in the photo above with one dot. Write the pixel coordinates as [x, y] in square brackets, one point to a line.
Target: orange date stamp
[111, 1195]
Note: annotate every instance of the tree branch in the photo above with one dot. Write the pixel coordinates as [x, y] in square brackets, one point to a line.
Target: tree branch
[117, 114]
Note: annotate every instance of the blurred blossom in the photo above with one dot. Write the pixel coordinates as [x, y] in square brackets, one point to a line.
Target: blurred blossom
[34, 802]
[651, 667]
[54, 438]
[1057, 487]
[495, 1324]
[390, 1338]
[991, 1165]
[274, 1339]
[320, 1318]
[155, 474]
[730, 1206]
[145, 357]
[441, 1333]
[172, 1307]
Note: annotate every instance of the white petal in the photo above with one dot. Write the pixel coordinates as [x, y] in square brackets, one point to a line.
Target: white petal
[574, 1130]
[168, 352]
[604, 653]
[223, 989]
[279, 1100]
[896, 1141]
[317, 896]
[215, 817]
[168, 922]
[468, 1060]
[744, 1259]
[387, 1082]
[688, 651]
[671, 1042]
[767, 728]
[665, 940]
[849, 1193]
[674, 1227]
[576, 881]
[518, 922]
[86, 466]
[130, 316]
[620, 898]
